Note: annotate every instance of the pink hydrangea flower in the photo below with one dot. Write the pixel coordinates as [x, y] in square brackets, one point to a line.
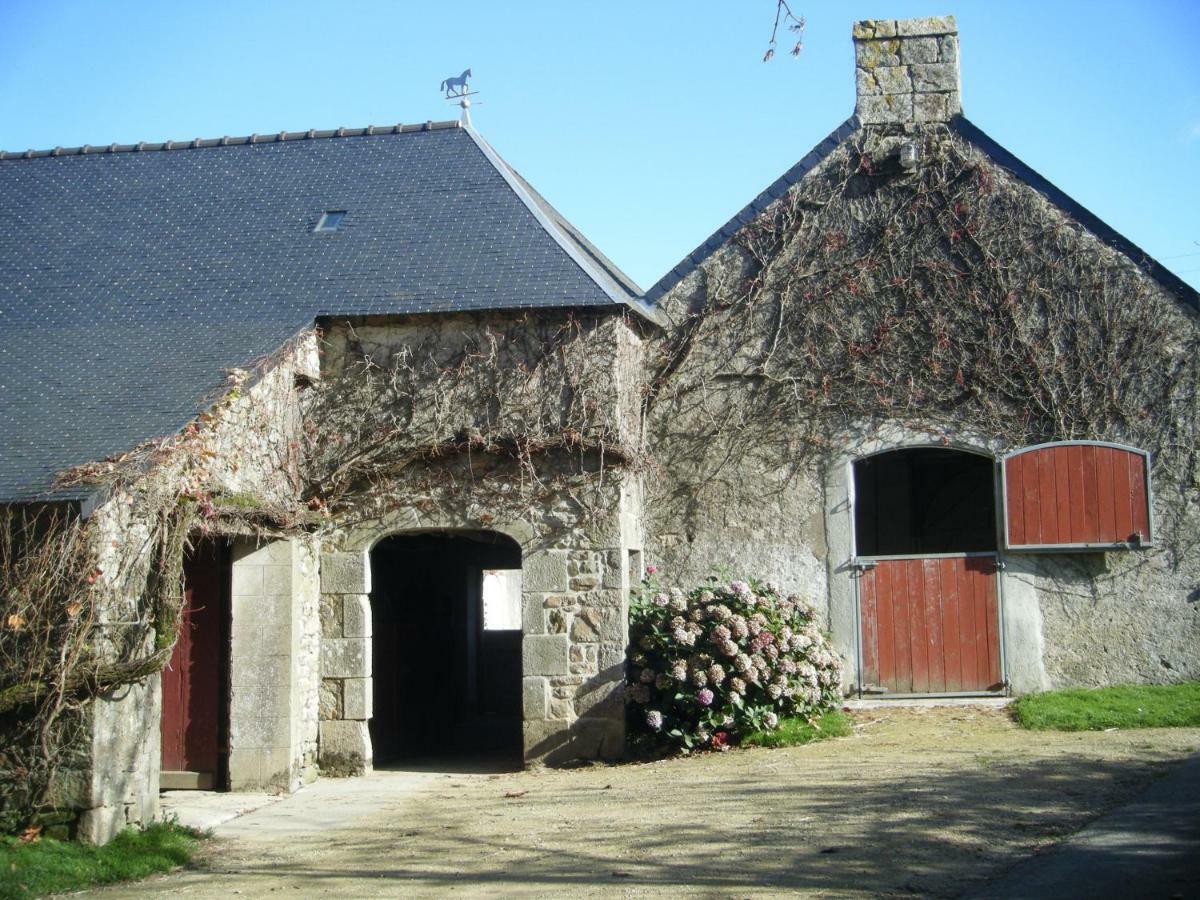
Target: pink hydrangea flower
[650, 570]
[704, 697]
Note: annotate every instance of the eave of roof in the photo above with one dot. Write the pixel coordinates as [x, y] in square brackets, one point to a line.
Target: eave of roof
[616, 284]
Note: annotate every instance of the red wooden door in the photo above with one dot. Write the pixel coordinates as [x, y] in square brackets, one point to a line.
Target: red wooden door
[930, 625]
[193, 683]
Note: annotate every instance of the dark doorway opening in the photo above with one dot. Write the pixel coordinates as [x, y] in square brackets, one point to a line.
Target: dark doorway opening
[924, 501]
[195, 683]
[446, 648]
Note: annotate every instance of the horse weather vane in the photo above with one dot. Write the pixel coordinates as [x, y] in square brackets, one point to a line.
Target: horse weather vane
[457, 88]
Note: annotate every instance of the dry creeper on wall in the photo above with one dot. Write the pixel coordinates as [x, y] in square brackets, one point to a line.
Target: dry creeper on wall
[953, 300]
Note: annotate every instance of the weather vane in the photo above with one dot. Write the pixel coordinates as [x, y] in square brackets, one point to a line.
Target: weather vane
[456, 88]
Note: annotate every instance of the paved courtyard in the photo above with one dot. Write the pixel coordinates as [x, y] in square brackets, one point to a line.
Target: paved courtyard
[933, 802]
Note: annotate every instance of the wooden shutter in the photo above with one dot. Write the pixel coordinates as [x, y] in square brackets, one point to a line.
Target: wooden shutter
[1077, 495]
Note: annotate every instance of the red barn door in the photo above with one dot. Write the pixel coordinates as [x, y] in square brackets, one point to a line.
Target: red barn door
[925, 547]
[931, 625]
[194, 705]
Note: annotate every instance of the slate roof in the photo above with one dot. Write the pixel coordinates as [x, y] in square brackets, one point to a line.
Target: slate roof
[132, 276]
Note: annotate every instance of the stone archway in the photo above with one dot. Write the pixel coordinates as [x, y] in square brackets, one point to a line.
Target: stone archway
[575, 578]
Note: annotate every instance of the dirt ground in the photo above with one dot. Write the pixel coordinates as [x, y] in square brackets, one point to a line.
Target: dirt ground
[926, 802]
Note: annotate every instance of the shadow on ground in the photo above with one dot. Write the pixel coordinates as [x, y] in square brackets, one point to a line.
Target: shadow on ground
[840, 827]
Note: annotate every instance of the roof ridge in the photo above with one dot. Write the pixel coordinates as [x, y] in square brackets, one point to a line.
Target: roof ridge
[228, 141]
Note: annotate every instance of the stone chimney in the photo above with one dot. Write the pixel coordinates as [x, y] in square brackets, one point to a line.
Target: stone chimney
[907, 70]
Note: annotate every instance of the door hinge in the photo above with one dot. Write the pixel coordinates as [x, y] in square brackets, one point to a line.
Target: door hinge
[861, 565]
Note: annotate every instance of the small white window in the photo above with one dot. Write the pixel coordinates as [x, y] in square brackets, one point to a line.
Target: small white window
[330, 220]
[501, 599]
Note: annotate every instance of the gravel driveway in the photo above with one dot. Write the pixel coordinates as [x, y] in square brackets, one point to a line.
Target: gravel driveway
[917, 801]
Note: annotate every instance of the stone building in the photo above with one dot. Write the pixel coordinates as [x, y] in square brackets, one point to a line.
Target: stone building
[911, 380]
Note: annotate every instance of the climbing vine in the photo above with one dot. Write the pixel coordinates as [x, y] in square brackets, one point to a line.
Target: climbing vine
[499, 413]
[951, 299]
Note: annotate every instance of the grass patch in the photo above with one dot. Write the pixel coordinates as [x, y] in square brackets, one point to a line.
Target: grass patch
[1120, 706]
[47, 866]
[794, 731]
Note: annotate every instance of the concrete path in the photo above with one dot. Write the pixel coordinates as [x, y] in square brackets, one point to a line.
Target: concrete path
[205, 810]
[928, 703]
[1147, 848]
[325, 805]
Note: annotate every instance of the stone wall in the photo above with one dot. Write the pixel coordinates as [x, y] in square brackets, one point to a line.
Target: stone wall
[250, 439]
[500, 376]
[1069, 619]
[125, 751]
[574, 512]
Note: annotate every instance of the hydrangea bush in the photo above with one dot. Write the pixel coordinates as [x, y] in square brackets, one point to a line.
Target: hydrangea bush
[710, 665]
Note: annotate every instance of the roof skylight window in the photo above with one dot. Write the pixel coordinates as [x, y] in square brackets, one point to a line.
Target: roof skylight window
[330, 220]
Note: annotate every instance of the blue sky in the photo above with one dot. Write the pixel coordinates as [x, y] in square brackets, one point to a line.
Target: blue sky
[647, 123]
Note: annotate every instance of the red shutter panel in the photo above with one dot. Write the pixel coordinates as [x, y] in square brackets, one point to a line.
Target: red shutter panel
[1077, 495]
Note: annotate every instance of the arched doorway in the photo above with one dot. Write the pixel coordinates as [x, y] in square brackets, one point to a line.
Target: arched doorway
[446, 646]
[925, 530]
